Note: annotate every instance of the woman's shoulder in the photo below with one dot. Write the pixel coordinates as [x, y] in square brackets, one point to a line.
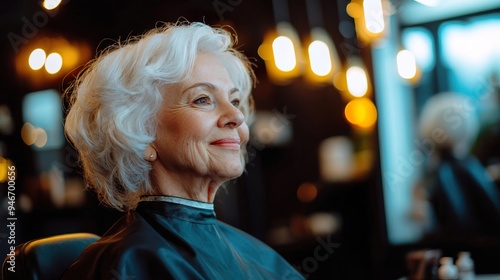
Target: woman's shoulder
[258, 254]
[232, 231]
[244, 240]
[126, 248]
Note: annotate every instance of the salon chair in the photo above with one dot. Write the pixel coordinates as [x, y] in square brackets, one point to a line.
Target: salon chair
[46, 258]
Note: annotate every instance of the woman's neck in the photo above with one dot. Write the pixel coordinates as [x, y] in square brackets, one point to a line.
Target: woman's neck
[190, 187]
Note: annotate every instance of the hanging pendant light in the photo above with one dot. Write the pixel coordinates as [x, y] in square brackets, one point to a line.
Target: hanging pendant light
[369, 18]
[323, 60]
[281, 47]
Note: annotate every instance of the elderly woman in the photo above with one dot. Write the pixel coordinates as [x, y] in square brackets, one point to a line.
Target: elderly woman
[160, 125]
[456, 196]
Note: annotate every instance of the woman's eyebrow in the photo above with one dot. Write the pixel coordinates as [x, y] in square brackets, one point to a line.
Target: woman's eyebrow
[209, 86]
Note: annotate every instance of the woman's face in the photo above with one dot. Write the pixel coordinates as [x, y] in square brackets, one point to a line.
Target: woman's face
[201, 132]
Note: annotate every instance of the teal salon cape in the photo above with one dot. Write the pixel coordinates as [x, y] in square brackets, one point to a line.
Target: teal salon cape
[175, 238]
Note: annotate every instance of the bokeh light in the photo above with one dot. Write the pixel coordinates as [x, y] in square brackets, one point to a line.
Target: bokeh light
[53, 63]
[284, 53]
[37, 59]
[374, 15]
[319, 58]
[51, 4]
[354, 10]
[357, 82]
[307, 192]
[419, 41]
[361, 112]
[41, 137]
[407, 67]
[347, 29]
[4, 167]
[28, 133]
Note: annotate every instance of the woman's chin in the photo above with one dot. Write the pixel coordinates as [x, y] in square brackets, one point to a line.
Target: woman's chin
[231, 171]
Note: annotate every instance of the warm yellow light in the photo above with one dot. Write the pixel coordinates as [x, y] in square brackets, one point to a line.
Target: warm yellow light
[354, 10]
[319, 58]
[37, 59]
[51, 4]
[374, 15]
[264, 52]
[284, 53]
[407, 67]
[53, 63]
[4, 169]
[307, 192]
[361, 112]
[357, 82]
[41, 137]
[28, 133]
[339, 81]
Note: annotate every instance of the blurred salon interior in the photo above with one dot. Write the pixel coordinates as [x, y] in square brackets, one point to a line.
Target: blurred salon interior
[374, 149]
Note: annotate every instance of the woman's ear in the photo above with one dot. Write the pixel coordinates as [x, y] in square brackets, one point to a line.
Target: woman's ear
[150, 154]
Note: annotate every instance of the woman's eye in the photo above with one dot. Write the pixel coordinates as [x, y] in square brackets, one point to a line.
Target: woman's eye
[236, 103]
[203, 101]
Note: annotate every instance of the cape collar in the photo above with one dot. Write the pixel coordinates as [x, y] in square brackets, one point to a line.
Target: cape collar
[179, 200]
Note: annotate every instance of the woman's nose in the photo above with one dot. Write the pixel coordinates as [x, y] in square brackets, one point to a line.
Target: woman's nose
[230, 116]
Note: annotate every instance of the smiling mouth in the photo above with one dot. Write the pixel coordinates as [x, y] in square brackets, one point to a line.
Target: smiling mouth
[233, 144]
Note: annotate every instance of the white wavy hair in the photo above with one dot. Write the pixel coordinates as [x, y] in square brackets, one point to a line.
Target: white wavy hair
[451, 120]
[115, 100]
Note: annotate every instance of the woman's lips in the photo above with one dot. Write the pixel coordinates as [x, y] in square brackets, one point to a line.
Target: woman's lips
[228, 143]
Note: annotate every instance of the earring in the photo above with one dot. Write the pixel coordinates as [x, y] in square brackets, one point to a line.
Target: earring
[150, 154]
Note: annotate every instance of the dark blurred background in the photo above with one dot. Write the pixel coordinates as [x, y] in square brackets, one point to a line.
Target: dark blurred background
[335, 159]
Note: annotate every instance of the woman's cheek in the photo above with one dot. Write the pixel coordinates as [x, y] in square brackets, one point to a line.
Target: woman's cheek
[244, 133]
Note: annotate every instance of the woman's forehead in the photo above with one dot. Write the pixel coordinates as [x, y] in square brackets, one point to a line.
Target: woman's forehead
[209, 72]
